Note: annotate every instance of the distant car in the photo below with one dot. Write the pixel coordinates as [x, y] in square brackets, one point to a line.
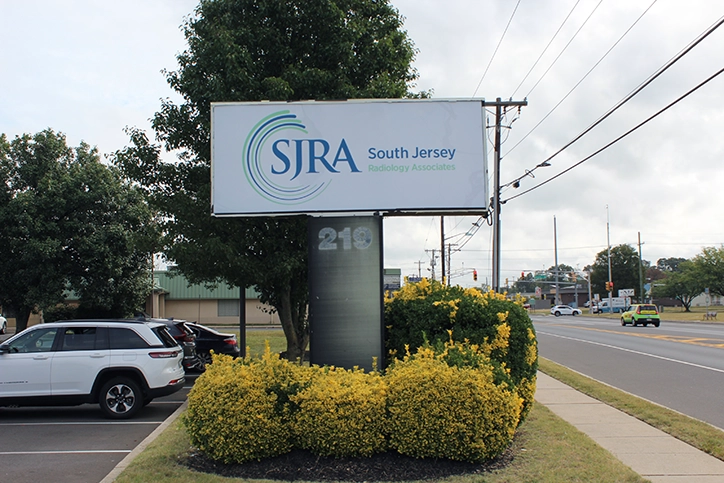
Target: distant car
[208, 339]
[185, 338]
[3, 325]
[559, 310]
[641, 314]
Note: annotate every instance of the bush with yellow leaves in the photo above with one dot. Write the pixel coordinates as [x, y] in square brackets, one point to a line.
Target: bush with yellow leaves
[341, 413]
[239, 408]
[429, 311]
[458, 412]
[442, 402]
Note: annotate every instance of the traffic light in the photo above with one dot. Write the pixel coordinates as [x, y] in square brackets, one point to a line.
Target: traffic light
[609, 286]
[475, 275]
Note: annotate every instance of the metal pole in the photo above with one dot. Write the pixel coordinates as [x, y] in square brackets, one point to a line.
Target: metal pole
[443, 277]
[608, 242]
[555, 249]
[641, 274]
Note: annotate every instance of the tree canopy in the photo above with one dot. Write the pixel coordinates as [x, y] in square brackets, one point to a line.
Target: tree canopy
[624, 270]
[682, 284]
[253, 50]
[69, 224]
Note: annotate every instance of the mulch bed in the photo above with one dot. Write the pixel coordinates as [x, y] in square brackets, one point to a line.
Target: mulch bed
[303, 465]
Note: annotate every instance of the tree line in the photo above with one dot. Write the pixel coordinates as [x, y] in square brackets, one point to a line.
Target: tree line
[675, 278]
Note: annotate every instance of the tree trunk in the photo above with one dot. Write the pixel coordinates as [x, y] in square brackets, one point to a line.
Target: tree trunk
[296, 338]
[21, 319]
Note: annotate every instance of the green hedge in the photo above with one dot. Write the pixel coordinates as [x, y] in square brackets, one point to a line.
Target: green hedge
[428, 311]
[428, 404]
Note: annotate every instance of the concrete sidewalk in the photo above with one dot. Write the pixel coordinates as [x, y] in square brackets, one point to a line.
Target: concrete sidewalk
[648, 451]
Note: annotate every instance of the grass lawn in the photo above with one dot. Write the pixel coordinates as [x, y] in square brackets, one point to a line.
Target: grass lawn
[546, 448]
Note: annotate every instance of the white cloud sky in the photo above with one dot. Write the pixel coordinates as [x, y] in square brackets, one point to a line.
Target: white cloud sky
[89, 68]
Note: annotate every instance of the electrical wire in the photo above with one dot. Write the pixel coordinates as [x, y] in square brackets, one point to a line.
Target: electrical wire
[712, 77]
[627, 98]
[583, 78]
[565, 48]
[497, 47]
[546, 48]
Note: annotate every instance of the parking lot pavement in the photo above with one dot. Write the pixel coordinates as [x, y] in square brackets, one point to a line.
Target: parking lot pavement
[74, 444]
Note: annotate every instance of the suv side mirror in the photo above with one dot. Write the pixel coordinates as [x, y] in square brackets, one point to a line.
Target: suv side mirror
[4, 348]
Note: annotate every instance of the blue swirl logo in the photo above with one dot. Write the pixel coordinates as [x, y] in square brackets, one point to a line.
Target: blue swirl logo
[259, 178]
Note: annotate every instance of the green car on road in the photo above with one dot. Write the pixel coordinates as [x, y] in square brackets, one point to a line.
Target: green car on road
[641, 314]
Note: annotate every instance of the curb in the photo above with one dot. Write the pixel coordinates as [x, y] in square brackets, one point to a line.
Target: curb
[123, 464]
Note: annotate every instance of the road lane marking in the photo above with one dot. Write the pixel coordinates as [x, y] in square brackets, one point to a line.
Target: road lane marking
[634, 352]
[700, 341]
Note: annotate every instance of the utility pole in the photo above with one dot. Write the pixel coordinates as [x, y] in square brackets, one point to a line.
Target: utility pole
[499, 105]
[419, 268]
[641, 273]
[432, 262]
[555, 249]
[608, 242]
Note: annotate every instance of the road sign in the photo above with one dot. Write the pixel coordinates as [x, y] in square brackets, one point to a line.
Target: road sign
[626, 292]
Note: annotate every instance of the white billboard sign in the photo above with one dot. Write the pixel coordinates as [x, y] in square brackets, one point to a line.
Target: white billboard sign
[387, 156]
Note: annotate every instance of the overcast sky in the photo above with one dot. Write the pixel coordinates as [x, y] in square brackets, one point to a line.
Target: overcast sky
[89, 68]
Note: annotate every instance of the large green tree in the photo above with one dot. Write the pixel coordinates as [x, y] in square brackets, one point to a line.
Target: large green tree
[624, 270]
[69, 222]
[253, 50]
[709, 266]
[684, 284]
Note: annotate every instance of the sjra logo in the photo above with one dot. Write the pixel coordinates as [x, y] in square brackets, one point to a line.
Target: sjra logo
[284, 166]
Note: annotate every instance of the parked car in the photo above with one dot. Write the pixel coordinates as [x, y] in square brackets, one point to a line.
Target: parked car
[121, 365]
[641, 314]
[208, 339]
[3, 325]
[559, 310]
[185, 337]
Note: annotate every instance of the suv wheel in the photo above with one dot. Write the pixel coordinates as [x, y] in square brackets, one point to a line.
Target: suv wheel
[120, 398]
[623, 321]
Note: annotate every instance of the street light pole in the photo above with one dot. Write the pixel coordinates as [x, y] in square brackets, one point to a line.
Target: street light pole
[608, 242]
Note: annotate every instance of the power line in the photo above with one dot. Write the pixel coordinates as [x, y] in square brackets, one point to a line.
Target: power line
[564, 48]
[546, 48]
[623, 101]
[497, 47]
[712, 77]
[583, 78]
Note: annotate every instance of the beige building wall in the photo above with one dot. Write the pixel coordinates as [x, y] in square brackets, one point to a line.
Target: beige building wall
[206, 312]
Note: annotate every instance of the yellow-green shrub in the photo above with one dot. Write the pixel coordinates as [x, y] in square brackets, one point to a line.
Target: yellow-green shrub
[430, 311]
[341, 413]
[238, 409]
[441, 411]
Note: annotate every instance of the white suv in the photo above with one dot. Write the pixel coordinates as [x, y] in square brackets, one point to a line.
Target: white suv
[119, 364]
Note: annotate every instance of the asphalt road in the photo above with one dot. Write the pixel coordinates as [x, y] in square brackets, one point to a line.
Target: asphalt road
[678, 365]
[74, 444]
